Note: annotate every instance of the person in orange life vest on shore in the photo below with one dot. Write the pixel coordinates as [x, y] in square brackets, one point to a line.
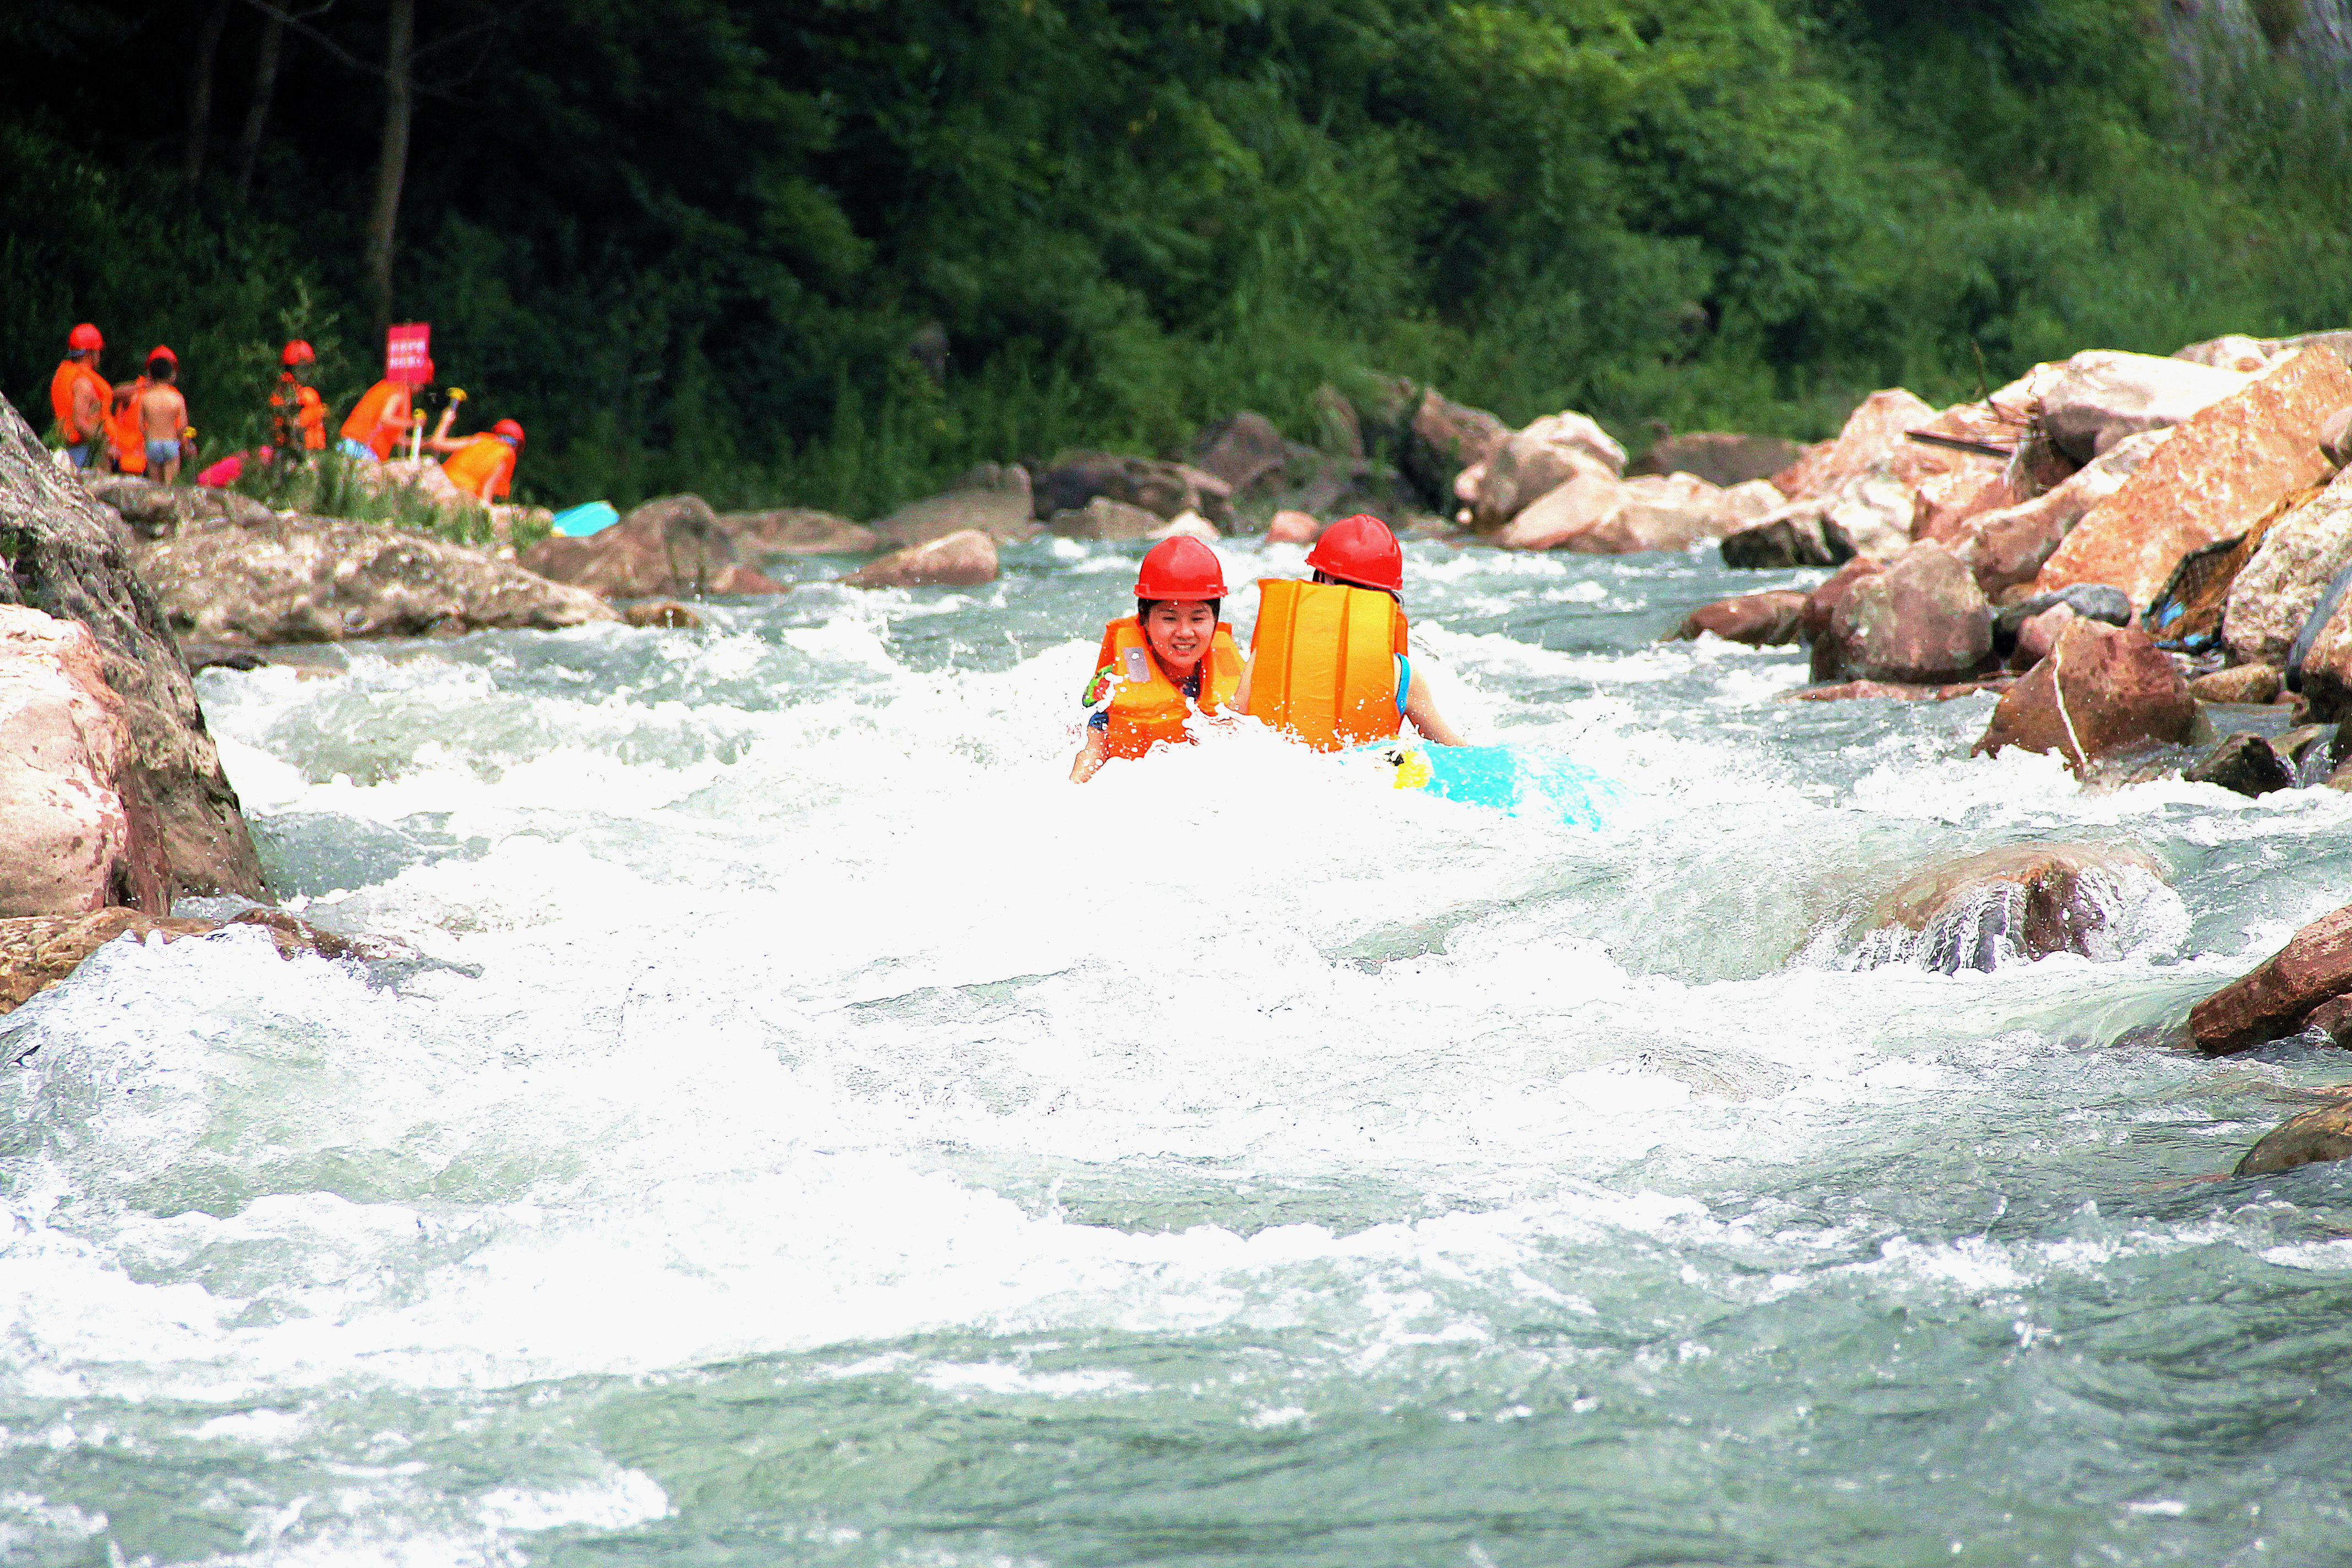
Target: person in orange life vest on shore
[123, 431]
[1170, 661]
[298, 415]
[163, 415]
[483, 467]
[81, 397]
[1327, 661]
[381, 418]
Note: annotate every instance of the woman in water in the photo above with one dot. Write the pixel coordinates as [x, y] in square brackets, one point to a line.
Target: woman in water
[1170, 661]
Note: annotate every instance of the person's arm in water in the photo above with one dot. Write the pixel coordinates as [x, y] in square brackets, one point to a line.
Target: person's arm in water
[1421, 709]
[1089, 760]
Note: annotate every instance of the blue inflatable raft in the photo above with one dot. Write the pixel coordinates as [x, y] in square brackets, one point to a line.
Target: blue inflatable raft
[1521, 780]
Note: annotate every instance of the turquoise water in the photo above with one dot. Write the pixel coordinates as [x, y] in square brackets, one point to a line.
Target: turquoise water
[817, 1133]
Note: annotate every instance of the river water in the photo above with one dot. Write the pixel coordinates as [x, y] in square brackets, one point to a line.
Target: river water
[816, 1133]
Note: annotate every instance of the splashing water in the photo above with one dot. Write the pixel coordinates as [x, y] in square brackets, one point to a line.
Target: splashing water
[823, 1135]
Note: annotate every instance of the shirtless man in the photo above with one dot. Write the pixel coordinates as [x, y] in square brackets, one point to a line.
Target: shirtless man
[163, 415]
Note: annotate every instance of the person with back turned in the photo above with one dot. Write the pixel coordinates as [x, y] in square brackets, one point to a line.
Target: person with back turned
[298, 415]
[1327, 663]
[163, 415]
[374, 427]
[81, 397]
[1170, 662]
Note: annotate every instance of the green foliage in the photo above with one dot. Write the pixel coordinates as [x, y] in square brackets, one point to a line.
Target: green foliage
[688, 242]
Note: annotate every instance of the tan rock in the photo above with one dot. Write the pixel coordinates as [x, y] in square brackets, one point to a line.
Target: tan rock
[2103, 688]
[794, 531]
[667, 614]
[2007, 546]
[962, 560]
[1533, 462]
[1874, 433]
[1292, 528]
[2231, 352]
[2096, 399]
[1103, 517]
[2222, 468]
[1655, 512]
[2277, 591]
[1573, 507]
[65, 834]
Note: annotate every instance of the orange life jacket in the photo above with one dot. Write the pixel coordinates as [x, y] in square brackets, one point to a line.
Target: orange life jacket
[71, 374]
[1148, 707]
[371, 424]
[308, 422]
[1323, 662]
[483, 457]
[123, 427]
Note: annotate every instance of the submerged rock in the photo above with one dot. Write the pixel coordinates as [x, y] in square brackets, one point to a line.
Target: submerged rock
[1759, 620]
[667, 614]
[2311, 1138]
[70, 558]
[2243, 763]
[39, 952]
[962, 560]
[2103, 689]
[2274, 999]
[2021, 902]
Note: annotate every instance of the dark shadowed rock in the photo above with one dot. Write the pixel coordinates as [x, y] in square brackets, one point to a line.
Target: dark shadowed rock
[1241, 451]
[1801, 540]
[1165, 490]
[1761, 620]
[1922, 620]
[2092, 601]
[2103, 689]
[2311, 1138]
[2243, 763]
[1719, 457]
[2023, 901]
[2273, 999]
[960, 561]
[69, 558]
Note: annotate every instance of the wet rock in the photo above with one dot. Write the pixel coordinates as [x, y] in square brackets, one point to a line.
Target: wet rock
[67, 839]
[962, 560]
[2097, 398]
[2311, 1138]
[2009, 545]
[667, 547]
[1759, 620]
[794, 531]
[2020, 902]
[2275, 592]
[1162, 488]
[995, 498]
[2038, 634]
[2243, 763]
[2242, 683]
[2218, 472]
[2319, 664]
[202, 657]
[1103, 517]
[2332, 1018]
[665, 614]
[2092, 601]
[1533, 462]
[38, 952]
[1897, 691]
[1292, 528]
[316, 579]
[69, 558]
[2103, 689]
[1786, 541]
[2271, 1000]
[1922, 620]
[1243, 451]
[1721, 459]
[1872, 433]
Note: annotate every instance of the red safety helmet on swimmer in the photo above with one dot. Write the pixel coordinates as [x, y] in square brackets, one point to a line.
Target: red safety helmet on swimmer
[1359, 550]
[84, 338]
[1181, 568]
[162, 352]
[297, 353]
[507, 427]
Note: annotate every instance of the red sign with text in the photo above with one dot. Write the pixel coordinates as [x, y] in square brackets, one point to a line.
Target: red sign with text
[407, 350]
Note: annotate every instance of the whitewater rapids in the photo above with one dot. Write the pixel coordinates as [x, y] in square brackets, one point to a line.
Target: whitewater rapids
[821, 1134]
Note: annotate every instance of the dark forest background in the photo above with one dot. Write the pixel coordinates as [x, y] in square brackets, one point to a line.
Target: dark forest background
[688, 243]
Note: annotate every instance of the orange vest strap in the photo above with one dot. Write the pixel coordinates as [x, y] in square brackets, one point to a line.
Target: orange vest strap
[1323, 662]
[1148, 707]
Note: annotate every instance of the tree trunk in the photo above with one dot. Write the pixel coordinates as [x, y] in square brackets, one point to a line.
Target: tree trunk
[200, 89]
[256, 113]
[392, 166]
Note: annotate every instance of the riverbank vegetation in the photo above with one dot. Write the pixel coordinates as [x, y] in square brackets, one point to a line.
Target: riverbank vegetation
[830, 254]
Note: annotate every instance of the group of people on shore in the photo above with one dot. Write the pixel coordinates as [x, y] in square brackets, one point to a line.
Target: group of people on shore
[140, 425]
[1327, 661]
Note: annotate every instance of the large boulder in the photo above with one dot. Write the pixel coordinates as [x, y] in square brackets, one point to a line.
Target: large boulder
[39, 953]
[67, 843]
[1103, 517]
[997, 499]
[2275, 592]
[322, 579]
[69, 558]
[1719, 458]
[1922, 620]
[664, 548]
[2103, 689]
[1769, 619]
[2272, 1000]
[1532, 463]
[2007, 545]
[1874, 432]
[1243, 452]
[794, 531]
[2097, 398]
[2221, 469]
[962, 560]
[2017, 903]
[1434, 438]
[1573, 507]
[1165, 490]
[1657, 511]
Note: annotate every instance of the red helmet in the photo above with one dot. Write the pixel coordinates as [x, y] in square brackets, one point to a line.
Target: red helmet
[1181, 568]
[83, 338]
[1359, 550]
[161, 352]
[297, 353]
[507, 427]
